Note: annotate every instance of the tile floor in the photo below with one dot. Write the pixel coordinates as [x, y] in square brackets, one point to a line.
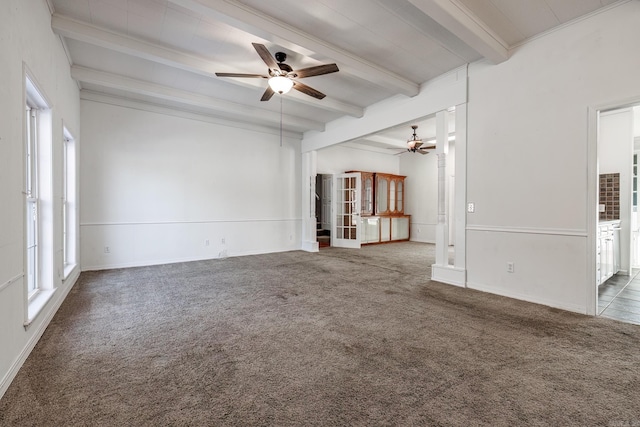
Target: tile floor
[619, 298]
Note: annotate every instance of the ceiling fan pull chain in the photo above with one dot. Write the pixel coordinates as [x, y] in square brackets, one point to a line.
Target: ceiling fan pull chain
[280, 120]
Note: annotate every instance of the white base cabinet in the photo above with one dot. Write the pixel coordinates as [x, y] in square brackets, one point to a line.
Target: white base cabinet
[607, 251]
[381, 229]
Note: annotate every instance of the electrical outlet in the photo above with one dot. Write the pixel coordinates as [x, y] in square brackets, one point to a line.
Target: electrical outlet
[510, 267]
[107, 250]
[471, 207]
[206, 242]
[223, 240]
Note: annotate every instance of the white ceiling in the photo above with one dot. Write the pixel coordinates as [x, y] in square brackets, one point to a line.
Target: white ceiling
[165, 52]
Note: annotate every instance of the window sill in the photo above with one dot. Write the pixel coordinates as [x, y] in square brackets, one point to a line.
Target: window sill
[67, 271]
[37, 304]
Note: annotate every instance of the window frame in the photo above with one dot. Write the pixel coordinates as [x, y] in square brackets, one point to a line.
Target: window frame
[38, 192]
[69, 198]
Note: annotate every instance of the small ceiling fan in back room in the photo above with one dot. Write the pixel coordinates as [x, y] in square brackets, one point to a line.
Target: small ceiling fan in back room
[415, 144]
[282, 77]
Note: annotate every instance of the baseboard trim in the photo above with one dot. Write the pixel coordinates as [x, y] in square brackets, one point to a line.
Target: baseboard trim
[310, 246]
[449, 275]
[528, 298]
[146, 263]
[26, 351]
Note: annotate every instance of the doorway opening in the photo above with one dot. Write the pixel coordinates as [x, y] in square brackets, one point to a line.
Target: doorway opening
[617, 228]
[323, 209]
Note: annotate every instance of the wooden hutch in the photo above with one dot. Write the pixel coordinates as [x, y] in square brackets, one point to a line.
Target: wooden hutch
[382, 208]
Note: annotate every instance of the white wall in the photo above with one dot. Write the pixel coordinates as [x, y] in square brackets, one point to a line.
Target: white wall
[26, 36]
[156, 187]
[421, 192]
[527, 156]
[340, 158]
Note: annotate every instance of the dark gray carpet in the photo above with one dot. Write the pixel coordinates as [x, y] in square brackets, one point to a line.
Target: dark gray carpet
[343, 337]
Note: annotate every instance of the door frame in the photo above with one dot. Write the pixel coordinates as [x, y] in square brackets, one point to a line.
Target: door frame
[592, 194]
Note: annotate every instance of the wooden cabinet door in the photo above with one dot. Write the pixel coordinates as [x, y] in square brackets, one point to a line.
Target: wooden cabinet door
[367, 193]
[382, 194]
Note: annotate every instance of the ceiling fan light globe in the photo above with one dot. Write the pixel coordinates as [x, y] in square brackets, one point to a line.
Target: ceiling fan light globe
[413, 142]
[280, 84]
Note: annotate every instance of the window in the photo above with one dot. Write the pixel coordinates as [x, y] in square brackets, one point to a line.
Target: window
[31, 192]
[68, 203]
[39, 285]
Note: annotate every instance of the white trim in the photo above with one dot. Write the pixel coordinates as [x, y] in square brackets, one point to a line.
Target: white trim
[88, 95]
[591, 301]
[10, 281]
[526, 297]
[593, 188]
[220, 106]
[145, 263]
[310, 246]
[5, 382]
[465, 25]
[212, 221]
[68, 269]
[529, 230]
[435, 95]
[449, 275]
[460, 188]
[52, 10]
[37, 304]
[262, 25]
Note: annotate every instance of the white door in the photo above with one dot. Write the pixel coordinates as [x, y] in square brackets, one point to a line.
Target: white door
[345, 232]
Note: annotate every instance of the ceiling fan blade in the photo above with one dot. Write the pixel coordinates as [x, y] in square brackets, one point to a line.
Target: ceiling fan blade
[241, 75]
[266, 56]
[316, 71]
[267, 94]
[308, 90]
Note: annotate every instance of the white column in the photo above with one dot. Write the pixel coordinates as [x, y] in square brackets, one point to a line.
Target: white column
[460, 208]
[442, 149]
[441, 271]
[308, 211]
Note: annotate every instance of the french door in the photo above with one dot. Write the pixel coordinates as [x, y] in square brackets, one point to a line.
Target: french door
[346, 224]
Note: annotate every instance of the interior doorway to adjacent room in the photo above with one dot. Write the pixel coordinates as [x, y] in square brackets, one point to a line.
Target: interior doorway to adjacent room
[617, 228]
[323, 209]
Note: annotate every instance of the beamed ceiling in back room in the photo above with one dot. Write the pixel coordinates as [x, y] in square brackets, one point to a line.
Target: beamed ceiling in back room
[166, 52]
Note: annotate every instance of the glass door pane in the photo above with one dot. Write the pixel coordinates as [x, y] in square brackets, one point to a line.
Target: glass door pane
[347, 218]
